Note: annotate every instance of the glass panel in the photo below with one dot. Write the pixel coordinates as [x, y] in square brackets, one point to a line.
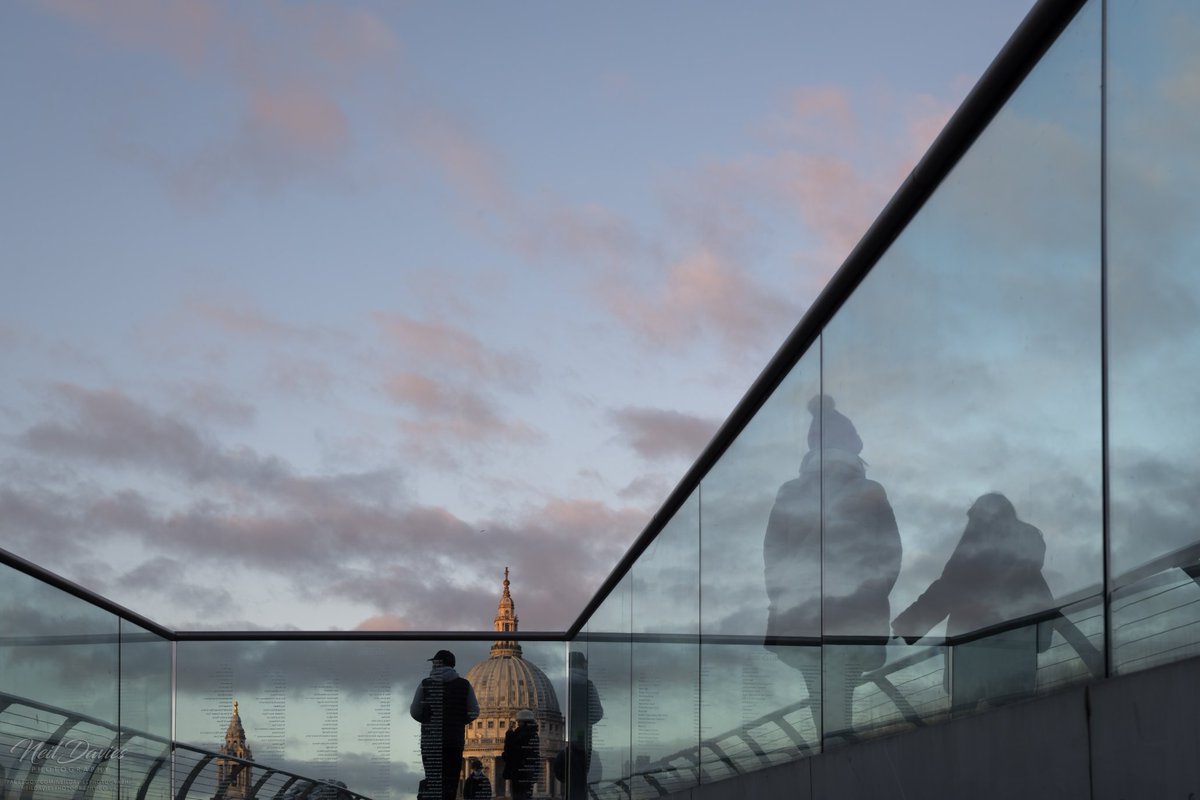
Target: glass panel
[58, 691]
[963, 386]
[145, 713]
[666, 657]
[860, 562]
[547, 657]
[760, 577]
[336, 710]
[342, 710]
[609, 664]
[586, 709]
[1154, 335]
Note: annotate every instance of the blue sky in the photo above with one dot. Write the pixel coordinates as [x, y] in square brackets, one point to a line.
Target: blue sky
[319, 315]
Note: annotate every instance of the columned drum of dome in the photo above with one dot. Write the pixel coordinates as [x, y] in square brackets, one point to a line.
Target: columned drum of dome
[505, 683]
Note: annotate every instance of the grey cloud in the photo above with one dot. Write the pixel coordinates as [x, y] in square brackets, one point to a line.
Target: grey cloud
[653, 488]
[109, 427]
[660, 433]
[106, 426]
[343, 537]
[164, 576]
[301, 376]
[213, 403]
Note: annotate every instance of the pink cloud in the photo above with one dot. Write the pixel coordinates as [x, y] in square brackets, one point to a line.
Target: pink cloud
[586, 233]
[440, 416]
[453, 398]
[835, 199]
[418, 392]
[703, 295]
[384, 622]
[300, 118]
[187, 31]
[286, 64]
[817, 168]
[452, 348]
[245, 321]
[659, 433]
[468, 163]
[927, 117]
[815, 118]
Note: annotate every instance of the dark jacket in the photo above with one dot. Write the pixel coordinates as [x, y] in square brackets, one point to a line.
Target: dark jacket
[522, 756]
[444, 703]
[477, 787]
[853, 559]
[993, 576]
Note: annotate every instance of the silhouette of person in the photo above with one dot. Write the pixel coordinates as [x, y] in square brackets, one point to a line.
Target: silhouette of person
[586, 710]
[444, 703]
[522, 756]
[993, 576]
[831, 532]
[477, 786]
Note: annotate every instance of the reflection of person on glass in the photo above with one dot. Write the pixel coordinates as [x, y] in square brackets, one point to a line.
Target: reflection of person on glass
[444, 703]
[522, 757]
[994, 576]
[577, 764]
[859, 544]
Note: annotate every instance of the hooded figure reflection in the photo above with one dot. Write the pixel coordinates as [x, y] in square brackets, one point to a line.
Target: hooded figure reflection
[993, 576]
[577, 765]
[861, 555]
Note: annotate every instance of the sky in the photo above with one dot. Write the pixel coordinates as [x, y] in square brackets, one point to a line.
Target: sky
[318, 316]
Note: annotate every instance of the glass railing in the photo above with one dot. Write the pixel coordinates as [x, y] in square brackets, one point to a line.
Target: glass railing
[55, 754]
[344, 708]
[907, 521]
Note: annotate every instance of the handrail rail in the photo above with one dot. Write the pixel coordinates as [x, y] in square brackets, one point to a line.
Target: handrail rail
[881, 677]
[71, 719]
[1032, 38]
[70, 587]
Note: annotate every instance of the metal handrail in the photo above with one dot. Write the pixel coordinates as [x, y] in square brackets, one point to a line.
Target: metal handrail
[881, 677]
[123, 736]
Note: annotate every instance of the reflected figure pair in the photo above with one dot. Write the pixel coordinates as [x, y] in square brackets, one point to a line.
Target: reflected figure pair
[832, 554]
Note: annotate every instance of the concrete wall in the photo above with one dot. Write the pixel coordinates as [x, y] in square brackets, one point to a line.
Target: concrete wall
[1128, 738]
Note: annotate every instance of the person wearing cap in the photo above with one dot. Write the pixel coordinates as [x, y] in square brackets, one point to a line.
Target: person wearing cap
[444, 704]
[522, 756]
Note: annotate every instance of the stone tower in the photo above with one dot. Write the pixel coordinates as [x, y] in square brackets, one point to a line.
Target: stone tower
[233, 774]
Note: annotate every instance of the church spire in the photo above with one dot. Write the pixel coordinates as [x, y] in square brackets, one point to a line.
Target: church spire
[234, 776]
[235, 734]
[506, 621]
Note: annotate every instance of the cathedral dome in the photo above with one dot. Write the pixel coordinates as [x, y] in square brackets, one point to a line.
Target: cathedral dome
[508, 682]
